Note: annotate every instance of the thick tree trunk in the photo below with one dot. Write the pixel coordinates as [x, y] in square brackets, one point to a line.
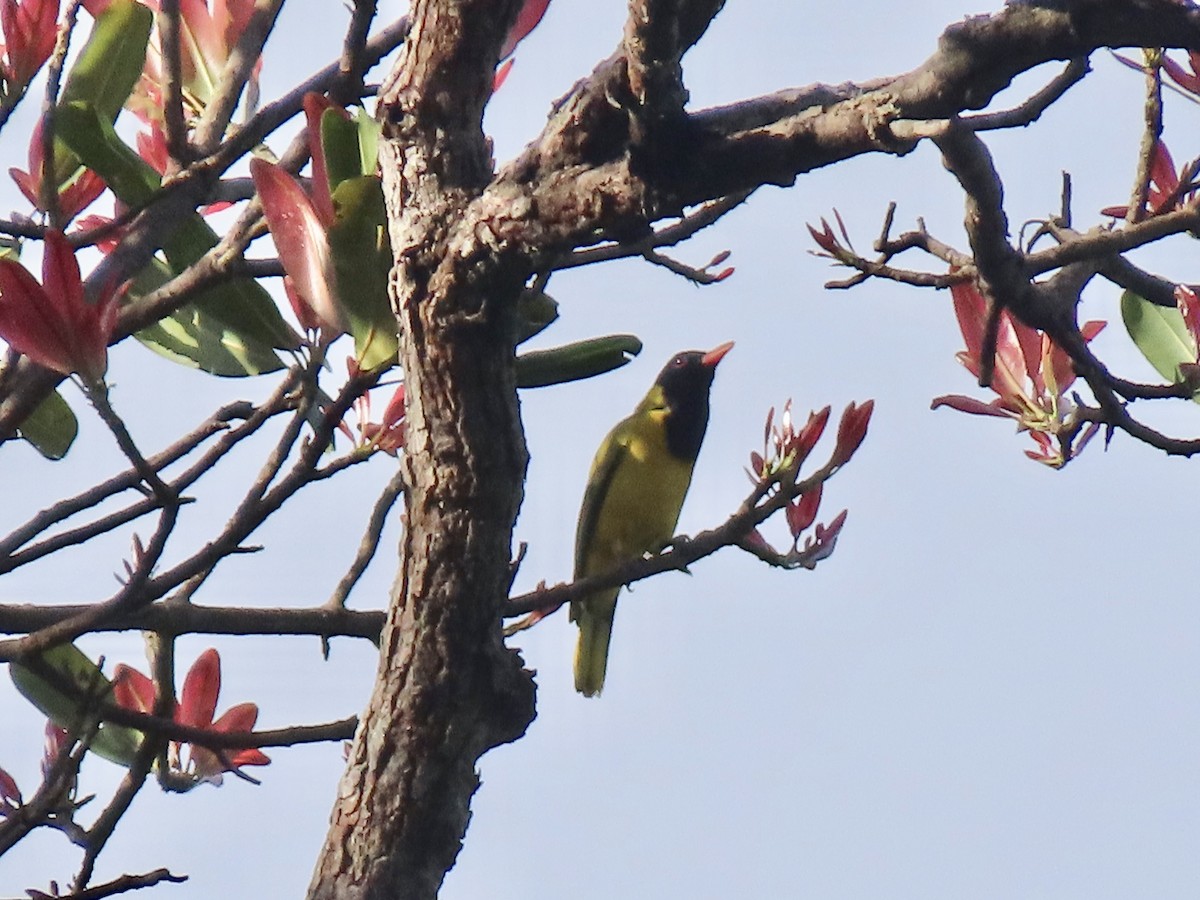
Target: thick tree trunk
[447, 689]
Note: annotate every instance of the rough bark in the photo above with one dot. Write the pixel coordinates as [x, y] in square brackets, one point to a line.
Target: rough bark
[447, 690]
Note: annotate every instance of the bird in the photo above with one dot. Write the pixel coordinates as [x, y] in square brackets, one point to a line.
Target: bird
[634, 493]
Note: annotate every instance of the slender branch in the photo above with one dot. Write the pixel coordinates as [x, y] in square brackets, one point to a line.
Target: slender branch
[370, 540]
[215, 119]
[98, 395]
[291, 736]
[124, 884]
[694, 274]
[172, 84]
[844, 255]
[1031, 110]
[763, 502]
[668, 236]
[1104, 242]
[64, 509]
[51, 804]
[1151, 135]
[257, 506]
[276, 404]
[348, 87]
[174, 618]
[106, 823]
[49, 177]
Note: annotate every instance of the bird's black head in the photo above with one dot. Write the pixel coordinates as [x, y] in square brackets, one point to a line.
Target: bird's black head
[685, 382]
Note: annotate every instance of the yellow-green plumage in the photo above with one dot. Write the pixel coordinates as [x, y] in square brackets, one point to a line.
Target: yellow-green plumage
[634, 493]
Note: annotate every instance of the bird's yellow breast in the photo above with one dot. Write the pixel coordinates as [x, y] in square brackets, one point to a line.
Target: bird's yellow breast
[640, 506]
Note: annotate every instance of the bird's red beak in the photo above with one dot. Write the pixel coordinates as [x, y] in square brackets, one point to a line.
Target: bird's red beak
[715, 355]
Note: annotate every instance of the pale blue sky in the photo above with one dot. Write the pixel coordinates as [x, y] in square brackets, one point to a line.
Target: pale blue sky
[991, 690]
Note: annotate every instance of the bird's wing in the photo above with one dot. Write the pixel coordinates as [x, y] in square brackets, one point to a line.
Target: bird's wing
[613, 450]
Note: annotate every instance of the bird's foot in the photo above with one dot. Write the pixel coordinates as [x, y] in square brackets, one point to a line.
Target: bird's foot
[679, 543]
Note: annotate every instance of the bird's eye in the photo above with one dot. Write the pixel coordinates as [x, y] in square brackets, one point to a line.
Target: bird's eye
[678, 361]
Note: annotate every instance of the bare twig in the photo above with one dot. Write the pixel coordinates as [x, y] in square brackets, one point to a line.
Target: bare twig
[176, 618]
[217, 115]
[120, 885]
[348, 86]
[668, 236]
[887, 248]
[370, 540]
[1150, 138]
[169, 42]
[106, 823]
[1031, 110]
[49, 177]
[694, 274]
[64, 509]
[51, 805]
[278, 403]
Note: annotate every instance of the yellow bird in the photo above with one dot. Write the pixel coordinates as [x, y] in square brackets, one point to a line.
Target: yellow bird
[634, 493]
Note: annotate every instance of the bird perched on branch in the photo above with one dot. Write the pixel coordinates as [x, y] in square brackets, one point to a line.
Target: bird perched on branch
[634, 493]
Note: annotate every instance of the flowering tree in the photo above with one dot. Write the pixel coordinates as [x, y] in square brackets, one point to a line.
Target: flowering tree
[406, 240]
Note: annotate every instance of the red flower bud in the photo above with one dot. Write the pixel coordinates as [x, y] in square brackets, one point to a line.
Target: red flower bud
[851, 431]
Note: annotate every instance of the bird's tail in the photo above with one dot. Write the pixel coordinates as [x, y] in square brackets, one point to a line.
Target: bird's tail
[595, 618]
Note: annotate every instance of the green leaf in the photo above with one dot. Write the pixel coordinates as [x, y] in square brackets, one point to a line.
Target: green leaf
[368, 141]
[1161, 335]
[51, 428]
[236, 315]
[104, 75]
[111, 62]
[339, 141]
[571, 362]
[68, 707]
[362, 259]
[536, 311]
[192, 337]
[95, 142]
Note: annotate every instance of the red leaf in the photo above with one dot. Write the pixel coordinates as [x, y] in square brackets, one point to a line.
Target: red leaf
[10, 794]
[314, 108]
[72, 197]
[825, 238]
[527, 19]
[803, 512]
[755, 540]
[201, 687]
[501, 75]
[52, 323]
[808, 436]
[970, 405]
[29, 36]
[239, 717]
[852, 429]
[971, 309]
[1189, 305]
[302, 242]
[132, 689]
[54, 741]
[1164, 179]
[152, 147]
